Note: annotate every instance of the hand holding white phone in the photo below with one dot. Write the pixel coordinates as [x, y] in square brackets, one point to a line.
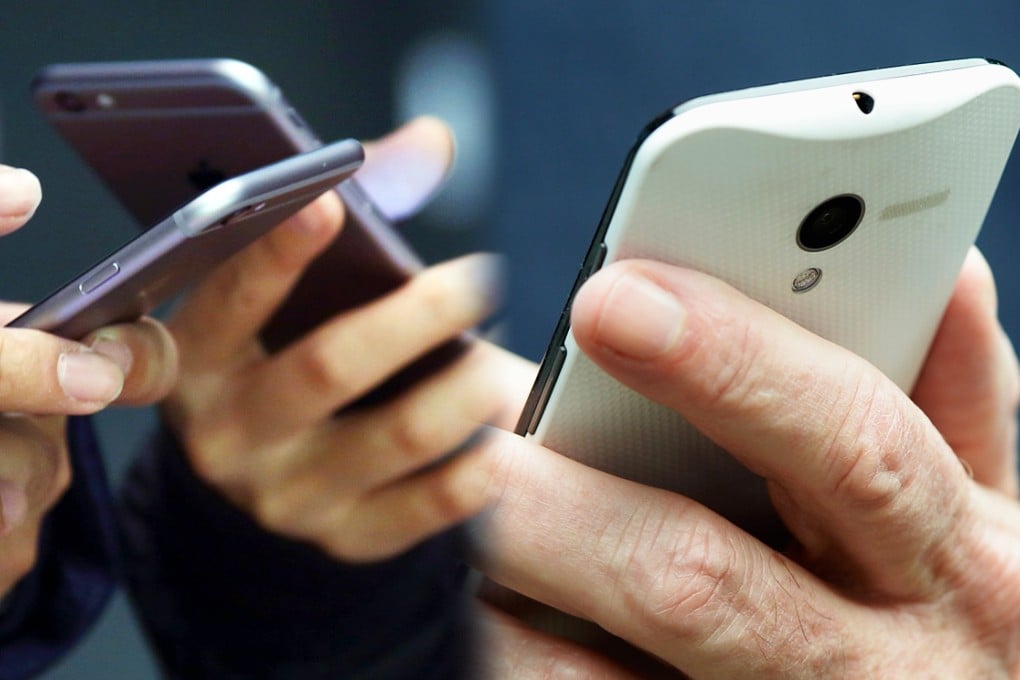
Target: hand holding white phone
[846, 203]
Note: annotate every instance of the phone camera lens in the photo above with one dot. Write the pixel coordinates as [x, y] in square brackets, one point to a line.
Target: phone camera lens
[70, 102]
[830, 223]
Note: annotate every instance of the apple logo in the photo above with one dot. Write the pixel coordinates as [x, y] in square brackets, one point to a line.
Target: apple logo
[204, 176]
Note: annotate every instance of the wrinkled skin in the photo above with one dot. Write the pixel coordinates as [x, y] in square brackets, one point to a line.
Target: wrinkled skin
[904, 565]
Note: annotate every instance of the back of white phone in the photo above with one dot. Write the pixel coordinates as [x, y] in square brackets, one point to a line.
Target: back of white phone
[723, 185]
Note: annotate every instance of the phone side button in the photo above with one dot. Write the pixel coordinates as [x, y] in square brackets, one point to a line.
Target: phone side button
[598, 259]
[547, 387]
[96, 279]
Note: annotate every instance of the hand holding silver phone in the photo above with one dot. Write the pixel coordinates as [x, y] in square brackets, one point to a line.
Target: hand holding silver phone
[158, 132]
[192, 240]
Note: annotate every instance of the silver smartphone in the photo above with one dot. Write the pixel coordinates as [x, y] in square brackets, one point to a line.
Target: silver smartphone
[158, 132]
[189, 242]
[846, 203]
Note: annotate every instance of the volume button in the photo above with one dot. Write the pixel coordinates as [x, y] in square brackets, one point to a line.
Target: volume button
[599, 260]
[547, 388]
[95, 280]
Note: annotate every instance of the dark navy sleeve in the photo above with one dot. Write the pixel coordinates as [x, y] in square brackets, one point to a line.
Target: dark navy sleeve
[221, 598]
[49, 610]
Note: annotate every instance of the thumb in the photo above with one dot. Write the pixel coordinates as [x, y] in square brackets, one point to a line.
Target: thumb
[43, 374]
[20, 194]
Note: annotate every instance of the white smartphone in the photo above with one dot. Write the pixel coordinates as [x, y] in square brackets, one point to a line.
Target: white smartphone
[158, 132]
[178, 250]
[846, 203]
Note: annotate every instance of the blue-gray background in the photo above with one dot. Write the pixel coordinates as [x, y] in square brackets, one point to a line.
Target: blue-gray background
[546, 98]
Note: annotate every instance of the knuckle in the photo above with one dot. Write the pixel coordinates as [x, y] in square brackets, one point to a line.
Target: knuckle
[204, 446]
[240, 290]
[735, 351]
[700, 588]
[347, 548]
[270, 510]
[509, 473]
[414, 433]
[451, 497]
[448, 503]
[440, 301]
[278, 252]
[792, 636]
[868, 466]
[20, 558]
[323, 373]
[685, 588]
[353, 542]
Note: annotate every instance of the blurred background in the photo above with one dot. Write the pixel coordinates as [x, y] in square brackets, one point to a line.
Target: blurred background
[545, 99]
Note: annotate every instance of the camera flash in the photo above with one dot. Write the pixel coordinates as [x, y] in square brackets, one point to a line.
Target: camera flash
[105, 101]
[807, 280]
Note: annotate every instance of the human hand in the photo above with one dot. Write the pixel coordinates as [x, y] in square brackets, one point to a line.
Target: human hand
[261, 429]
[43, 378]
[903, 566]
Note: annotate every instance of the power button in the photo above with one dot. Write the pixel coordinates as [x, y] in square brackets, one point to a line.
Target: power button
[96, 279]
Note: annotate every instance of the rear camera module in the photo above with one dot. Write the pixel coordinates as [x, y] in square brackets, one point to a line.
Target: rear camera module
[830, 223]
[70, 102]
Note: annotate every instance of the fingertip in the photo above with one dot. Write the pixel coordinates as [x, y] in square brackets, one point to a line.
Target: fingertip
[587, 302]
[977, 282]
[404, 169]
[146, 354]
[334, 212]
[436, 130]
[90, 379]
[629, 313]
[118, 352]
[20, 195]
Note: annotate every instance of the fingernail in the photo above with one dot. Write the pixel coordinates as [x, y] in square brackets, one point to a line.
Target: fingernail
[19, 192]
[119, 353]
[13, 503]
[640, 319]
[90, 377]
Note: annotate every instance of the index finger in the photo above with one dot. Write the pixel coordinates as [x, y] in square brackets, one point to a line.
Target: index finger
[652, 567]
[224, 313]
[842, 441]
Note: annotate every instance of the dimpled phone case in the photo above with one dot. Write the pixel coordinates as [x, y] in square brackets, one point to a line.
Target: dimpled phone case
[723, 183]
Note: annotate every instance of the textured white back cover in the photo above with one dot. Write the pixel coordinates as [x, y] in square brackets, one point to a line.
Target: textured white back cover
[723, 186]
